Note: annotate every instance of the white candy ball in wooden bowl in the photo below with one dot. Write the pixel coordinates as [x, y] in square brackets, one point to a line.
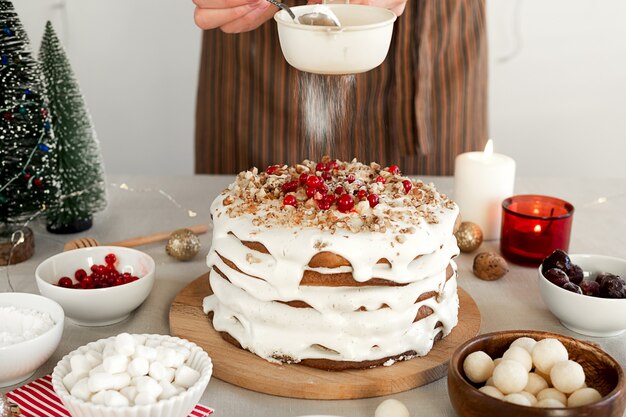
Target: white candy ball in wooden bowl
[602, 372]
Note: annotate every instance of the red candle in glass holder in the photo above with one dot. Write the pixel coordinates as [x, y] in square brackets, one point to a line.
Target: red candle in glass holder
[533, 226]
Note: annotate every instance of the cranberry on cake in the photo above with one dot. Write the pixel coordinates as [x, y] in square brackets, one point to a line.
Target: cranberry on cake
[334, 265]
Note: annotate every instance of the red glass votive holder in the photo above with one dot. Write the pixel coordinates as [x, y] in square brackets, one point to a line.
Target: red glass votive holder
[534, 226]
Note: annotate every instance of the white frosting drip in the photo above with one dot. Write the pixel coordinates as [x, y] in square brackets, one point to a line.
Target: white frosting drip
[246, 307]
[338, 299]
[274, 330]
[291, 249]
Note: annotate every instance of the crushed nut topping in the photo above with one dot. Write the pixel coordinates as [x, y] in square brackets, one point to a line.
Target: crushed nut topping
[315, 201]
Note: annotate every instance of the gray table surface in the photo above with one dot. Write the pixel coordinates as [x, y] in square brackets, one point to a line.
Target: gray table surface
[510, 303]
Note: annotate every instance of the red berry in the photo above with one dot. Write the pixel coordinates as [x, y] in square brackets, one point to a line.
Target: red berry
[118, 281]
[339, 190]
[373, 200]
[87, 282]
[290, 187]
[351, 178]
[80, 274]
[320, 166]
[290, 200]
[332, 165]
[310, 192]
[323, 188]
[407, 184]
[66, 282]
[361, 195]
[394, 169]
[302, 178]
[110, 259]
[380, 179]
[77, 286]
[314, 181]
[94, 268]
[327, 175]
[345, 203]
[330, 199]
[38, 182]
[323, 204]
[271, 169]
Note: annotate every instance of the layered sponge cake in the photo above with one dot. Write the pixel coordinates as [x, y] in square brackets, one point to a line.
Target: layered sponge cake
[335, 265]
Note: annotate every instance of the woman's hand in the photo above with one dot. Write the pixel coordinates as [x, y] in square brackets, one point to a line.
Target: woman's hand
[232, 16]
[396, 6]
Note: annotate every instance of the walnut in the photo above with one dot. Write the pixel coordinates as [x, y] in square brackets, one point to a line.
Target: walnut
[489, 266]
[300, 169]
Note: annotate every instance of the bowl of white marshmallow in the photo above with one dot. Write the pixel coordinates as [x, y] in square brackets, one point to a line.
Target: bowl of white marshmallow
[133, 376]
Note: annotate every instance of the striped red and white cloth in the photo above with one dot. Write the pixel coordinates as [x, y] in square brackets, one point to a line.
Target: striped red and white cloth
[38, 399]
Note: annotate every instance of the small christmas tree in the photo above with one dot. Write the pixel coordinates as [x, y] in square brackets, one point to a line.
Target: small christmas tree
[80, 167]
[28, 183]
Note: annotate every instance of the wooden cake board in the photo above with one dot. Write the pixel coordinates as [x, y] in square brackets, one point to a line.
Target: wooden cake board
[246, 370]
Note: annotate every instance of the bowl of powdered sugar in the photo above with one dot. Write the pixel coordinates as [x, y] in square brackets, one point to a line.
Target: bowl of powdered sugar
[30, 331]
[359, 45]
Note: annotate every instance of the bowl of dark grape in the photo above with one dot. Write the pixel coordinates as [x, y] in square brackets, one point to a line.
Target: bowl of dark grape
[97, 286]
[587, 293]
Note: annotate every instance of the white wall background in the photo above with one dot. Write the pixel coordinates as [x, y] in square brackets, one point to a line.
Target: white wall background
[557, 80]
[137, 64]
[558, 104]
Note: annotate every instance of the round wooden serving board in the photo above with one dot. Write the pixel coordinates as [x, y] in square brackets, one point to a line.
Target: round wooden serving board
[244, 369]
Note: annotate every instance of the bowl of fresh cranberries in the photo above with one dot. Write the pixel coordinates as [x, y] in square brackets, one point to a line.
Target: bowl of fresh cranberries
[97, 286]
[587, 293]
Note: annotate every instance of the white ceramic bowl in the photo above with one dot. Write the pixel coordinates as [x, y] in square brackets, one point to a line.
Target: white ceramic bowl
[592, 316]
[177, 406]
[361, 45]
[101, 306]
[19, 361]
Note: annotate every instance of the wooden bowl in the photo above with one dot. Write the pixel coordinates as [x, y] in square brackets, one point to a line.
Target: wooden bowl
[602, 373]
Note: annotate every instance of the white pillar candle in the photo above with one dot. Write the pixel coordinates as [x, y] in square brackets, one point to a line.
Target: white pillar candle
[481, 181]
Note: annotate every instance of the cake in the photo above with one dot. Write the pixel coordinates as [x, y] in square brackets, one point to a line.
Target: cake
[334, 265]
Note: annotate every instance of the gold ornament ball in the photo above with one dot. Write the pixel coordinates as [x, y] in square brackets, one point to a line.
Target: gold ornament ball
[183, 245]
[469, 237]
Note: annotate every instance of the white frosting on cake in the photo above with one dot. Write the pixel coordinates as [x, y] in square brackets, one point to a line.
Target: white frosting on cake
[356, 323]
[275, 331]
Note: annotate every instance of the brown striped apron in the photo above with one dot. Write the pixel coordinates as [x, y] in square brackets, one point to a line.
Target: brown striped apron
[424, 105]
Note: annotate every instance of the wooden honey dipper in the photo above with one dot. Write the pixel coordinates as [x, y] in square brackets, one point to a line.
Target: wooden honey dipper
[88, 242]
